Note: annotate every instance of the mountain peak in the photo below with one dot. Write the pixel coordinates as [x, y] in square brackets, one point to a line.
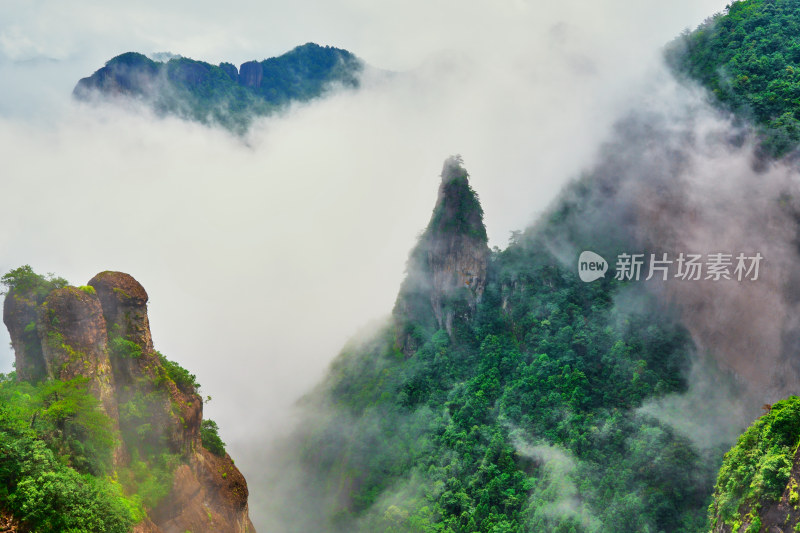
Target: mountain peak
[447, 268]
[453, 168]
[458, 209]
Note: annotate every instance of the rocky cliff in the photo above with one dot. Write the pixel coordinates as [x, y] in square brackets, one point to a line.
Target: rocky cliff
[101, 333]
[446, 272]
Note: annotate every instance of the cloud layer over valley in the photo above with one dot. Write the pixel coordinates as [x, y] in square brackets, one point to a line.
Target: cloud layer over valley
[263, 255]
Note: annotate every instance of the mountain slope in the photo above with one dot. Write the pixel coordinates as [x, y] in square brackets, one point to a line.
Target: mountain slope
[519, 414]
[222, 94]
[749, 58]
[98, 431]
[506, 395]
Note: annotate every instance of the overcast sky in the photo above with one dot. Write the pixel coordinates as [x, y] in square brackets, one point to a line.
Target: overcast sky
[261, 258]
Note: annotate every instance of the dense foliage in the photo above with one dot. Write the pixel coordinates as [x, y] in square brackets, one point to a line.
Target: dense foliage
[460, 211]
[222, 95]
[183, 379]
[757, 469]
[25, 280]
[55, 458]
[749, 58]
[528, 422]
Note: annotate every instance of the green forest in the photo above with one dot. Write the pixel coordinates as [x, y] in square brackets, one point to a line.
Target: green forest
[527, 418]
[748, 57]
[525, 421]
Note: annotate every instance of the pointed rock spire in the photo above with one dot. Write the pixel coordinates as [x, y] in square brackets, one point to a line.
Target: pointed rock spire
[446, 271]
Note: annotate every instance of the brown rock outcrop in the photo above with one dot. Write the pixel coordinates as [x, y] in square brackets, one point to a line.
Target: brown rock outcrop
[74, 343]
[251, 73]
[19, 316]
[124, 303]
[101, 332]
[205, 495]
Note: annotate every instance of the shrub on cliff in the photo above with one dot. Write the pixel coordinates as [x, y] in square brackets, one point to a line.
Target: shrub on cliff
[24, 279]
[758, 467]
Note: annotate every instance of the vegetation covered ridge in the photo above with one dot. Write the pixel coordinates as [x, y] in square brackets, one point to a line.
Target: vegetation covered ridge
[224, 94]
[524, 416]
[748, 57]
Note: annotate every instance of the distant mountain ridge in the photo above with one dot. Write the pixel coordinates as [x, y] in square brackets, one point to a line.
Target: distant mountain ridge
[224, 94]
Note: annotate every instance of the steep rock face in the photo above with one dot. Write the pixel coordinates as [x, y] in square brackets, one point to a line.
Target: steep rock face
[251, 73]
[209, 494]
[19, 316]
[457, 250]
[201, 499]
[124, 303]
[101, 332]
[74, 343]
[446, 272]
